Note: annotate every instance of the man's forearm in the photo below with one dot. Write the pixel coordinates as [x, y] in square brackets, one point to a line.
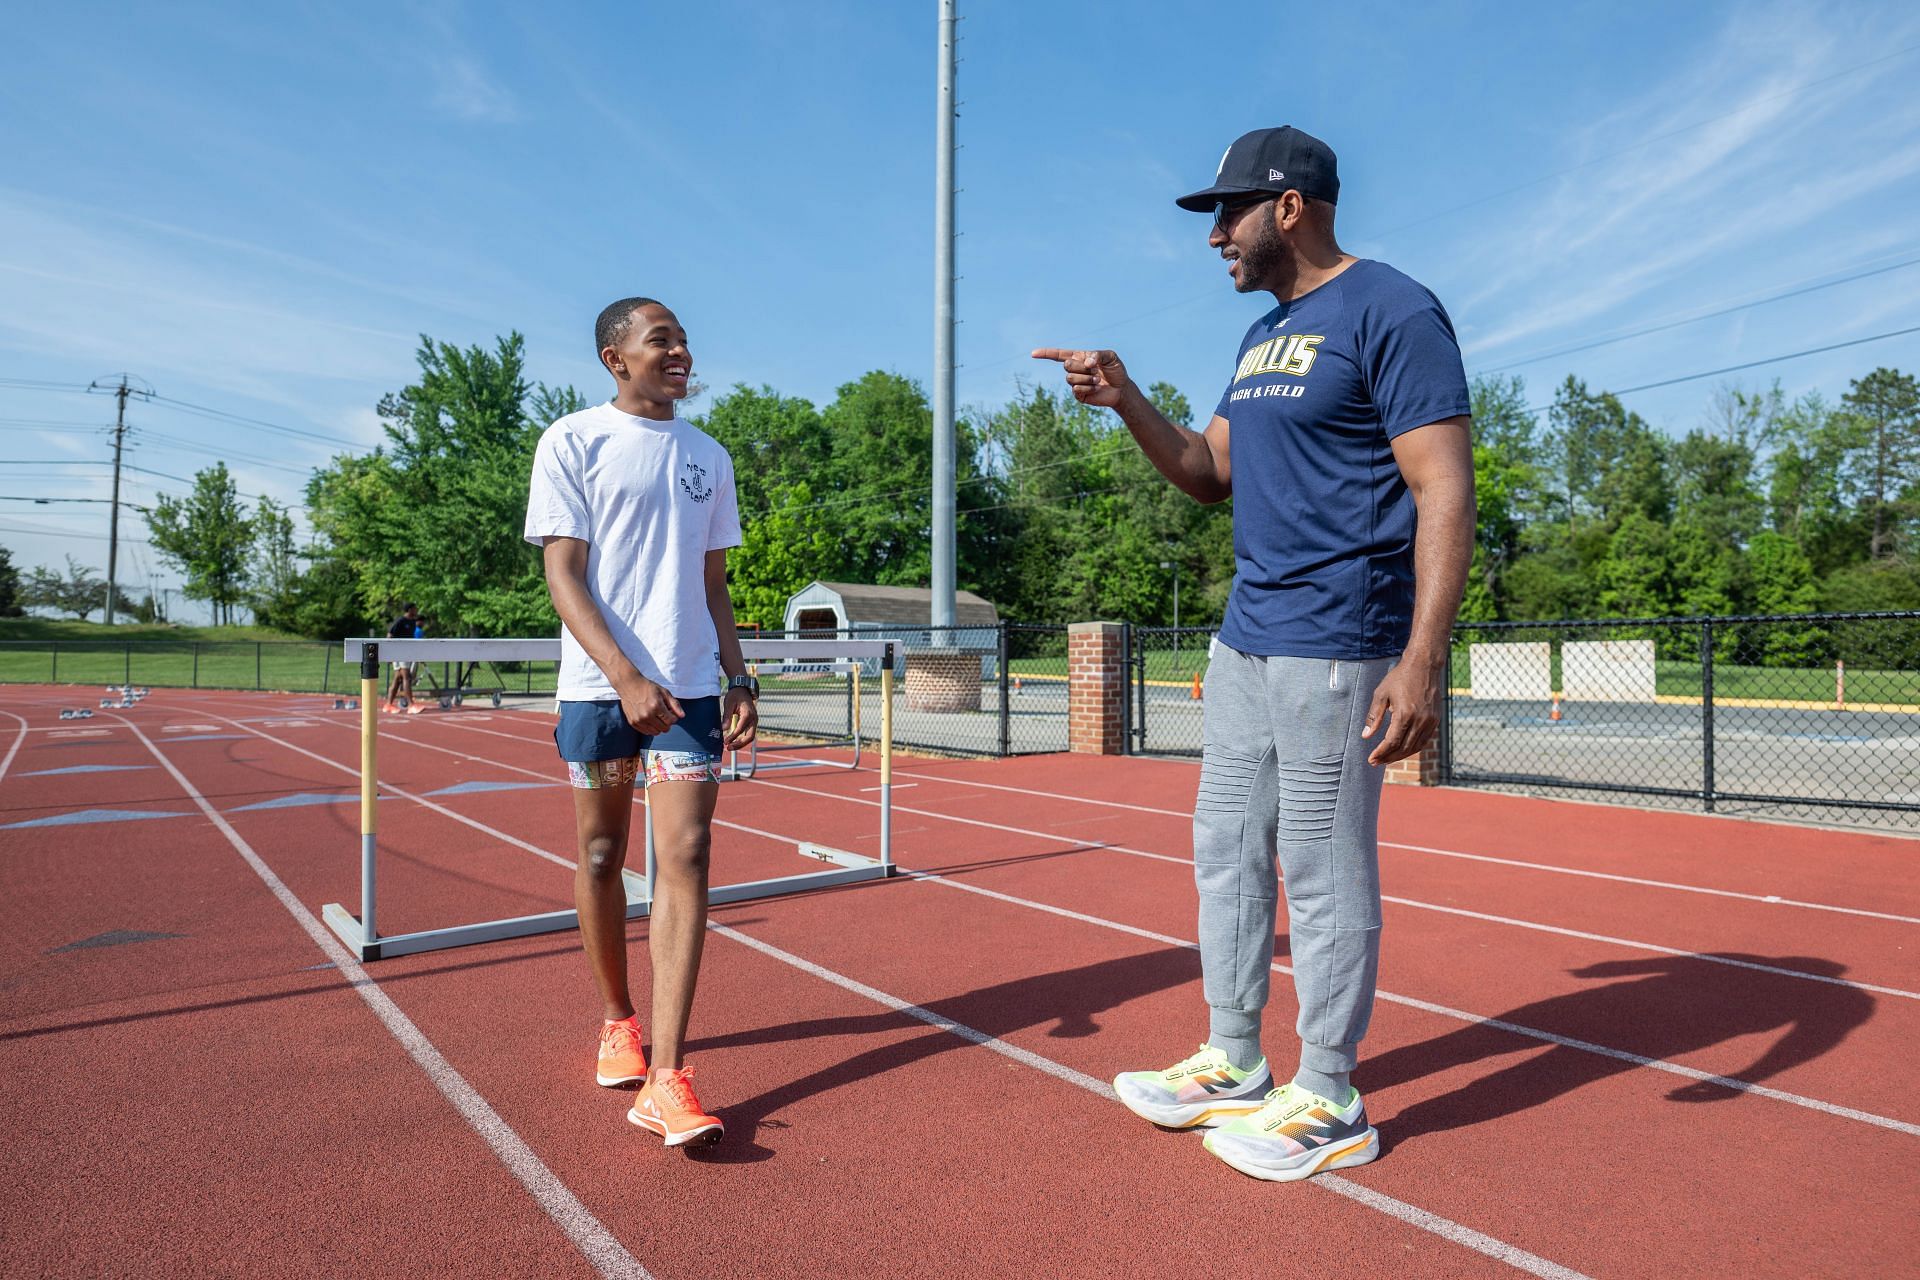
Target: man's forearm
[1182, 456]
[1442, 552]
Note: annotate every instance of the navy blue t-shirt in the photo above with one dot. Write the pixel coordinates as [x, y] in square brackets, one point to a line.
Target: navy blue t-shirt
[1322, 520]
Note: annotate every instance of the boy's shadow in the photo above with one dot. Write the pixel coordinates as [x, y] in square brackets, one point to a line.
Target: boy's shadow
[1069, 999]
[1679, 1005]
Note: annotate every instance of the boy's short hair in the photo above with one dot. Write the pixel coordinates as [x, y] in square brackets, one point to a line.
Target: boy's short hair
[615, 319]
[408, 607]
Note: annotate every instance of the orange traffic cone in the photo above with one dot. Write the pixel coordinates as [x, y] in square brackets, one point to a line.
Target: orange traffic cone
[1554, 714]
[1196, 686]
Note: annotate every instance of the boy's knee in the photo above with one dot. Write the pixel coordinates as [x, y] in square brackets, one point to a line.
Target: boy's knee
[690, 853]
[603, 857]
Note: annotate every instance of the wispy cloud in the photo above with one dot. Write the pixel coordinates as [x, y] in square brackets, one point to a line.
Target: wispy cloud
[1725, 187]
[464, 90]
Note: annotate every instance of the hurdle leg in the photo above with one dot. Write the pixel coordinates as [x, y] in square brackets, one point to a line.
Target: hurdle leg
[886, 763]
[369, 787]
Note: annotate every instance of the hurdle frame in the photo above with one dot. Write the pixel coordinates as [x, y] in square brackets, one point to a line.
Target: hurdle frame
[360, 931]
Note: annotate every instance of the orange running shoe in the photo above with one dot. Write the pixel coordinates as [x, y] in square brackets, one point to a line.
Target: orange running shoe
[621, 1061]
[667, 1107]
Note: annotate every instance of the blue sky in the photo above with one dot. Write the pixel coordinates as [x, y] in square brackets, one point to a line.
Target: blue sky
[258, 208]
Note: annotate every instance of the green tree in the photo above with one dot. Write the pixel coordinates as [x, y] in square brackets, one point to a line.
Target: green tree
[434, 516]
[1610, 464]
[208, 537]
[10, 603]
[78, 594]
[1635, 579]
[1884, 465]
[1783, 583]
[274, 575]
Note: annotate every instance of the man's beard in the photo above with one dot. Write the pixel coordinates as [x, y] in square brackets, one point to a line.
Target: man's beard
[1262, 262]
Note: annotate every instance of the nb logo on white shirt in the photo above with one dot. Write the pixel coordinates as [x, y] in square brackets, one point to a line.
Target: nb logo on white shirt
[699, 490]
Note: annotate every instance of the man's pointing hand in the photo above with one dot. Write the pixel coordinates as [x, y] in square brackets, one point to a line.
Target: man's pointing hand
[1094, 377]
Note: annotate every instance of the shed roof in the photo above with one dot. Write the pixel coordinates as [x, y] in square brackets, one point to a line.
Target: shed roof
[908, 605]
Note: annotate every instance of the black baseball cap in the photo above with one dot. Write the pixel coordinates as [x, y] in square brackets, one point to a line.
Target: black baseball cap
[1271, 161]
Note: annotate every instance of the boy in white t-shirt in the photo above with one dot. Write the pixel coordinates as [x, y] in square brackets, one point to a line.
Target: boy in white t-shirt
[634, 510]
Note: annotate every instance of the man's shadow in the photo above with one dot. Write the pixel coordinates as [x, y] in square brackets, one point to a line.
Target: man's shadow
[1675, 1006]
[1068, 999]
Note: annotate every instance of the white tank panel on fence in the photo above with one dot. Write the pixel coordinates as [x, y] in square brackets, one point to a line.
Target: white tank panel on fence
[1607, 670]
[1521, 671]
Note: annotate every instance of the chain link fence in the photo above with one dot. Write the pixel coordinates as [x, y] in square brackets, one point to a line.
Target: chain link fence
[1808, 715]
[1166, 667]
[996, 690]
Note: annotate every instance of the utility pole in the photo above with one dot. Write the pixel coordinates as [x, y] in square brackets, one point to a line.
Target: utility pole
[943, 436]
[120, 393]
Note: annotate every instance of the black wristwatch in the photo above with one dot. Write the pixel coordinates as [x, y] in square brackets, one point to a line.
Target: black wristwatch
[749, 683]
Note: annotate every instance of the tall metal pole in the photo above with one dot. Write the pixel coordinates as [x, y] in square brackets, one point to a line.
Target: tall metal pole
[943, 439]
[120, 391]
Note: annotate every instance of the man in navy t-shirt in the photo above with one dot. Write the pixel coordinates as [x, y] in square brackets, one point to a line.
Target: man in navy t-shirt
[1342, 437]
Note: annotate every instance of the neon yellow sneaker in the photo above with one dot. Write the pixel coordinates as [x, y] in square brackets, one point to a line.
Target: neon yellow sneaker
[1206, 1089]
[1296, 1135]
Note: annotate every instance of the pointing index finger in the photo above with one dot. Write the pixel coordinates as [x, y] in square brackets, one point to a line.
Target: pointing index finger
[1053, 353]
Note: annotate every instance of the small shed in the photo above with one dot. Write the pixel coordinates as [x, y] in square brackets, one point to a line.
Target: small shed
[851, 606]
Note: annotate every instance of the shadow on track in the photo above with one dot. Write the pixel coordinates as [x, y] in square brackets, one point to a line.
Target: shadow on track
[1667, 1008]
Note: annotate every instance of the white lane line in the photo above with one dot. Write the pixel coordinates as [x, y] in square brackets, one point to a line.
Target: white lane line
[1412, 1215]
[1767, 898]
[18, 738]
[1446, 1228]
[1655, 947]
[1510, 921]
[898, 786]
[588, 1234]
[1404, 902]
[1428, 1006]
[388, 788]
[1411, 1002]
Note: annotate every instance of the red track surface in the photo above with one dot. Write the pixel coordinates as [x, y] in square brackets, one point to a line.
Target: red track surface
[229, 1101]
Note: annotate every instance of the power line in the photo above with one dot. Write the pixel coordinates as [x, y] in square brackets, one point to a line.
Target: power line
[1752, 364]
[1675, 324]
[221, 415]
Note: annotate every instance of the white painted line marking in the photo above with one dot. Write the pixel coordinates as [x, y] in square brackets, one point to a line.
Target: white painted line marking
[1471, 857]
[1446, 1228]
[18, 738]
[898, 786]
[588, 1234]
[1427, 1006]
[1404, 902]
[1412, 1002]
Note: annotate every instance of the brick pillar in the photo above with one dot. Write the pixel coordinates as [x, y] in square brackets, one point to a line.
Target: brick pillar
[1096, 688]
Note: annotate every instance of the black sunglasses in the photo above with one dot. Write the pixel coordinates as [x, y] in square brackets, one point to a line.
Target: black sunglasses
[1228, 208]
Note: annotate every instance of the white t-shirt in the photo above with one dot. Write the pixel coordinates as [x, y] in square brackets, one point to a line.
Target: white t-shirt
[650, 499]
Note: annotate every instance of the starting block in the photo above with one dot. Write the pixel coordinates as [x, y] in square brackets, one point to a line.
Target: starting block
[346, 704]
[77, 713]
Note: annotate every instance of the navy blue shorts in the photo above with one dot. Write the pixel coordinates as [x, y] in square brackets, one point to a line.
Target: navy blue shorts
[602, 749]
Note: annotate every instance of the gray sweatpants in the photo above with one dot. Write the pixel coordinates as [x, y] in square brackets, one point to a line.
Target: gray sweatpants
[1285, 770]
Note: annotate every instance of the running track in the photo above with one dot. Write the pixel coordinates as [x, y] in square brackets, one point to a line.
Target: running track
[1609, 1042]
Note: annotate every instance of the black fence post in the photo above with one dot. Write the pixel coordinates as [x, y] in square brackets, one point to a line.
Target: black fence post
[256, 664]
[53, 677]
[1137, 685]
[1706, 715]
[326, 669]
[196, 664]
[1446, 718]
[126, 669]
[1006, 689]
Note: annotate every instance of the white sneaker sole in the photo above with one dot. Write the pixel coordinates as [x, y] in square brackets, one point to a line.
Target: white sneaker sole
[705, 1134]
[1335, 1155]
[1191, 1115]
[611, 1082]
